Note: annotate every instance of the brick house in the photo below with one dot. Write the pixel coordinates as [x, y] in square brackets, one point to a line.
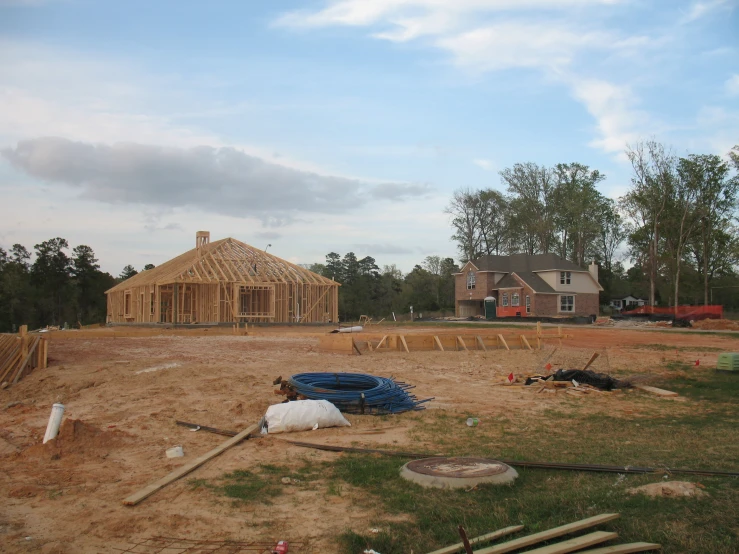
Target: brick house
[543, 285]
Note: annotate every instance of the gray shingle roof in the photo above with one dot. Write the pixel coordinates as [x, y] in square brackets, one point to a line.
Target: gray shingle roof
[521, 263]
[536, 283]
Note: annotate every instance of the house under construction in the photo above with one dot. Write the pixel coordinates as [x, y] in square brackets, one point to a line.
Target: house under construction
[225, 281]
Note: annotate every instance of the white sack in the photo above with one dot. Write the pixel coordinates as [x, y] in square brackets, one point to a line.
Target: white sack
[303, 415]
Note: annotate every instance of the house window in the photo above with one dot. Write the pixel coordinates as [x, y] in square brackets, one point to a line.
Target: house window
[504, 302]
[566, 303]
[470, 281]
[565, 277]
[515, 299]
[528, 304]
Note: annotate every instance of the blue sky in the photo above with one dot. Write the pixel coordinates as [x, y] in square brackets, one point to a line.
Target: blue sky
[333, 125]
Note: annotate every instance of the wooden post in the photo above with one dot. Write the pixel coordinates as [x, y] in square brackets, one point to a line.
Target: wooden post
[405, 344]
[559, 332]
[23, 334]
[525, 342]
[502, 340]
[481, 343]
[538, 335]
[461, 341]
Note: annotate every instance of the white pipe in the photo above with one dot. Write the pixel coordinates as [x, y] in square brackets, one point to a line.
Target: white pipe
[355, 329]
[55, 419]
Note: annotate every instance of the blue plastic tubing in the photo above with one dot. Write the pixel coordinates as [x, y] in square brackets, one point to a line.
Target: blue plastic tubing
[357, 392]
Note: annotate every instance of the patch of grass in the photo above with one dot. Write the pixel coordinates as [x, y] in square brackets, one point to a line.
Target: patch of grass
[455, 325]
[246, 486]
[668, 348]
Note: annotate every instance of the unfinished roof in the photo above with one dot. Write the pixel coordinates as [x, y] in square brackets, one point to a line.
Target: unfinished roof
[225, 260]
[524, 262]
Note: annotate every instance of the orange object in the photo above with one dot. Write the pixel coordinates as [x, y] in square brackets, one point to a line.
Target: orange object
[548, 367]
[281, 548]
[697, 362]
[511, 377]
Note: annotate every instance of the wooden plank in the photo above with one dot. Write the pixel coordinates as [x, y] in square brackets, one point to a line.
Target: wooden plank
[382, 341]
[356, 348]
[187, 468]
[577, 543]
[477, 540]
[481, 342]
[655, 390]
[24, 363]
[438, 343]
[525, 342]
[460, 340]
[549, 534]
[502, 340]
[624, 548]
[337, 343]
[590, 361]
[405, 344]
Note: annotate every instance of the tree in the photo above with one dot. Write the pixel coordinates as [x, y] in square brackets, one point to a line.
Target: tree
[646, 201]
[612, 234]
[147, 267]
[716, 203]
[494, 222]
[465, 210]
[532, 207]
[127, 273]
[50, 274]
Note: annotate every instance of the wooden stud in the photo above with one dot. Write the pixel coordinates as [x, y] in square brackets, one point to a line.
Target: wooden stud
[629, 548]
[502, 340]
[405, 344]
[355, 347]
[187, 468]
[542, 536]
[590, 361]
[481, 343]
[477, 540]
[382, 341]
[538, 335]
[460, 340]
[655, 390]
[437, 342]
[577, 543]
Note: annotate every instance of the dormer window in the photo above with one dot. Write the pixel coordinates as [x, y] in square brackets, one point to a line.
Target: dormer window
[470, 281]
[565, 277]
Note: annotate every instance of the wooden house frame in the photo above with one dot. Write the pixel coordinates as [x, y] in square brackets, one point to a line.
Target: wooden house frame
[225, 281]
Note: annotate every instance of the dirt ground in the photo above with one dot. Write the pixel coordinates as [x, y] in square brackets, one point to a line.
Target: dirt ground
[125, 394]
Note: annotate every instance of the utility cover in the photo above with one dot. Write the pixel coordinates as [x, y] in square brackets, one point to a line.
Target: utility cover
[452, 473]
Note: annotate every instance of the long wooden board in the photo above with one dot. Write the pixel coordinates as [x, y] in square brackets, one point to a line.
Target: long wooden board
[549, 534]
[577, 543]
[629, 548]
[655, 390]
[187, 468]
[477, 540]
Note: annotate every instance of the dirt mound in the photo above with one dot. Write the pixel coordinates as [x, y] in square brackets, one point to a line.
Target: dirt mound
[670, 489]
[716, 325]
[77, 438]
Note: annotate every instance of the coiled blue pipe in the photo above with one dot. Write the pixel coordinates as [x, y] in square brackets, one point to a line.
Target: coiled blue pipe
[357, 392]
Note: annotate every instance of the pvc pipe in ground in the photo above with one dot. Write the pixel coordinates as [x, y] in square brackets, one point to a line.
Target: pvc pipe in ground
[355, 329]
[55, 420]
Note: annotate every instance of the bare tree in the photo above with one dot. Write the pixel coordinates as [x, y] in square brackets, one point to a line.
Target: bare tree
[464, 210]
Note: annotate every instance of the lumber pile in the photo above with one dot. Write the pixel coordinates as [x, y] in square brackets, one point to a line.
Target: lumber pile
[20, 354]
[588, 540]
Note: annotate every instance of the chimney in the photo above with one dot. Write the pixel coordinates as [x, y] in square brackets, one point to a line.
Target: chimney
[202, 238]
[593, 269]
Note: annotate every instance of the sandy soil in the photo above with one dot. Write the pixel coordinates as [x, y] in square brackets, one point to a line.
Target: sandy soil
[125, 394]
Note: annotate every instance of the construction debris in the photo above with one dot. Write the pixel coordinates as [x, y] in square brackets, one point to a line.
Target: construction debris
[20, 354]
[302, 415]
[670, 489]
[577, 378]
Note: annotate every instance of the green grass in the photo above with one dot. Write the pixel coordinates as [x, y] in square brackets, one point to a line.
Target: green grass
[632, 428]
[670, 348]
[451, 324]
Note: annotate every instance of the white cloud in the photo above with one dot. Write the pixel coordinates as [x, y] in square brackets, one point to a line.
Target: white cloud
[550, 36]
[732, 85]
[698, 10]
[220, 180]
[487, 165]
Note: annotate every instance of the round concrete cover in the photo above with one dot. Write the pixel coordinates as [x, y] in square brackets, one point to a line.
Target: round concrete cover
[454, 473]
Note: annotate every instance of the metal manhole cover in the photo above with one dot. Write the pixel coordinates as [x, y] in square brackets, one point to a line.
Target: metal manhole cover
[452, 473]
[457, 467]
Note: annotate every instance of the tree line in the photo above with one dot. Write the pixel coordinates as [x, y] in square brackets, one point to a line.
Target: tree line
[368, 290]
[676, 225]
[56, 288]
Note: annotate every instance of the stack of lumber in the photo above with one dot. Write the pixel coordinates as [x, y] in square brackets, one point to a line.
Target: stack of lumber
[572, 544]
[20, 354]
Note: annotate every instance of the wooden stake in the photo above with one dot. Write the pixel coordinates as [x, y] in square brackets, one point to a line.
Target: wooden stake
[355, 347]
[461, 341]
[481, 343]
[382, 341]
[477, 540]
[405, 344]
[590, 361]
[438, 343]
[525, 342]
[502, 340]
[187, 468]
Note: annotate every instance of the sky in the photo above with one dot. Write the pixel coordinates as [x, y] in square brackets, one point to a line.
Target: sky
[333, 126]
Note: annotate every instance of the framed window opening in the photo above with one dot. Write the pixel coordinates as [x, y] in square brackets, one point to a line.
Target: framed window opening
[470, 280]
[528, 304]
[515, 299]
[566, 303]
[565, 277]
[504, 301]
[127, 304]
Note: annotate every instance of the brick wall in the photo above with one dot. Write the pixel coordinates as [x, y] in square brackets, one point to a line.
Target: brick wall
[545, 305]
[548, 305]
[587, 304]
[483, 287]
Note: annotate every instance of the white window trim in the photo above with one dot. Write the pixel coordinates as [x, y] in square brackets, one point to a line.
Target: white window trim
[565, 278]
[528, 304]
[559, 306]
[515, 299]
[471, 280]
[504, 300]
